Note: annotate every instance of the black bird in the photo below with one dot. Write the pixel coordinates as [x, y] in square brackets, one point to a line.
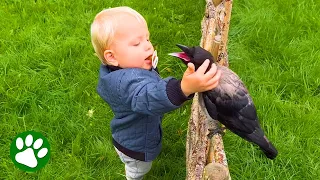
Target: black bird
[230, 102]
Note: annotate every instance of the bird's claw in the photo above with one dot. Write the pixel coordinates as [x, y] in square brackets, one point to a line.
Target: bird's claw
[213, 132]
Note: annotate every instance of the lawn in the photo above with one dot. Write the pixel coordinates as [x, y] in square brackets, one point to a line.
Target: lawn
[48, 78]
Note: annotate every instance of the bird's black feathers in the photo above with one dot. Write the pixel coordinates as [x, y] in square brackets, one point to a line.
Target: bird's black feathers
[211, 107]
[231, 104]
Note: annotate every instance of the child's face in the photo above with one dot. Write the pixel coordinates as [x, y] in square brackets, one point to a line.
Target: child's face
[131, 46]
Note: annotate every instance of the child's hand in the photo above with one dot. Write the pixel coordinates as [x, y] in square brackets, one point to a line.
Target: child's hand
[200, 81]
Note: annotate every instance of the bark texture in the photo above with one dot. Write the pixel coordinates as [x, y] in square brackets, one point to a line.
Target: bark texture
[205, 156]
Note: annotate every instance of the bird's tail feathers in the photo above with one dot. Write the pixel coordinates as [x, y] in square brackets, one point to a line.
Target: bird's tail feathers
[265, 145]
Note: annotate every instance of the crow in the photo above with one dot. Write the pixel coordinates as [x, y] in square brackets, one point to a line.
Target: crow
[230, 102]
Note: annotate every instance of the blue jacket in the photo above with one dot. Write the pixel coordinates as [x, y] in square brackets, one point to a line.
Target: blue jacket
[138, 98]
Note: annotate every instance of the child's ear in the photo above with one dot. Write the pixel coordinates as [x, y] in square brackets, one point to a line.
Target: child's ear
[109, 57]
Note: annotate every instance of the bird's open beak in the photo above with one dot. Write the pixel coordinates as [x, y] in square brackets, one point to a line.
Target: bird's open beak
[182, 55]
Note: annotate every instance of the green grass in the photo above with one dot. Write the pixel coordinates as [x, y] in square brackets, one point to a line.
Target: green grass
[48, 78]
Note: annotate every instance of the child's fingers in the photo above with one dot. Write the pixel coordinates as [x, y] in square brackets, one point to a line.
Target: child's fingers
[211, 73]
[190, 69]
[214, 85]
[215, 78]
[202, 69]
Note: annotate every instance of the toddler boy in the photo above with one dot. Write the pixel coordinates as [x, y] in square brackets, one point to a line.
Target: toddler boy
[132, 87]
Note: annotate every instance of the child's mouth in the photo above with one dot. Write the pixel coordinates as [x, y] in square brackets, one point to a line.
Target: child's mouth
[149, 58]
[153, 59]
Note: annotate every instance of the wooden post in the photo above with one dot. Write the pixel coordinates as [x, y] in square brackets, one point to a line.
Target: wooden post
[205, 157]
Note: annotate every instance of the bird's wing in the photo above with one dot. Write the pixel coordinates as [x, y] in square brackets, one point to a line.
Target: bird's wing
[233, 103]
[211, 107]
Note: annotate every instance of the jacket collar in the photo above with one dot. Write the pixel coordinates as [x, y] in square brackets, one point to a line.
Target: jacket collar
[114, 68]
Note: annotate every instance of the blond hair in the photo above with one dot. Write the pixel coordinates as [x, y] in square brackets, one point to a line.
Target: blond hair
[104, 26]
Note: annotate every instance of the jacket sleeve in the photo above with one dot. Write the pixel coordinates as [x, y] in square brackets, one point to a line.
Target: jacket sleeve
[146, 93]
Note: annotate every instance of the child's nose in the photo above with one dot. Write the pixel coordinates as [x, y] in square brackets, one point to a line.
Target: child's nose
[148, 46]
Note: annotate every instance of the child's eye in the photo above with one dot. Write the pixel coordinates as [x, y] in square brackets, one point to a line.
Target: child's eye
[137, 44]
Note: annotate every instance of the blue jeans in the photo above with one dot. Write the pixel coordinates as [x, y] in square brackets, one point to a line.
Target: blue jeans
[135, 169]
